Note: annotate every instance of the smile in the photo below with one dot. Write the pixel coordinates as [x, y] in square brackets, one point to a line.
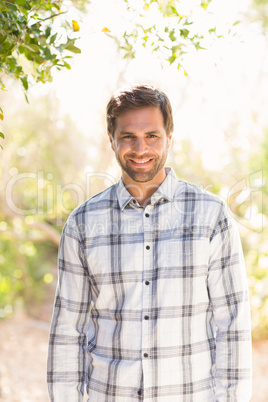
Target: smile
[140, 162]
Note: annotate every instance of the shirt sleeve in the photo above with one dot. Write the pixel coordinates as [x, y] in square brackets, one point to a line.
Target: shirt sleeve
[228, 290]
[67, 363]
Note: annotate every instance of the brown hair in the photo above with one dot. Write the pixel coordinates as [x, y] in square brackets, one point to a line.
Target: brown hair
[138, 97]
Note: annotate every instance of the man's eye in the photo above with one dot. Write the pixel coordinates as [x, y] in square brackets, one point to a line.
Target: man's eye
[152, 136]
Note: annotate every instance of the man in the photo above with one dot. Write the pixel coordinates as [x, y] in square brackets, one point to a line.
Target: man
[152, 301]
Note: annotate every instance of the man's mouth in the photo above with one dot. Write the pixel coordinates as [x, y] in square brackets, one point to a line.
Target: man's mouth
[140, 162]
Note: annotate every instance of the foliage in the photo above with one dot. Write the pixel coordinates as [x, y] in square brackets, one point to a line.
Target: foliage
[25, 272]
[247, 198]
[259, 13]
[257, 256]
[243, 185]
[30, 43]
[29, 33]
[34, 38]
[163, 27]
[40, 177]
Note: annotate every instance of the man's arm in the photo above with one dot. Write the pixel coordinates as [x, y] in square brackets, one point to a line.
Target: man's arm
[228, 289]
[67, 365]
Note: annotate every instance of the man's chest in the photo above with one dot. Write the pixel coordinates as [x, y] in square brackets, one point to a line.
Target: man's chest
[168, 250]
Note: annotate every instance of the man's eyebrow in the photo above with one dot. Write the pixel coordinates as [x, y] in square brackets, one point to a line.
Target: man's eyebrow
[126, 132]
[133, 133]
[153, 132]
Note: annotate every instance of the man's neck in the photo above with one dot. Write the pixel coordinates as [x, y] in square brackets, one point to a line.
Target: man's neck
[142, 192]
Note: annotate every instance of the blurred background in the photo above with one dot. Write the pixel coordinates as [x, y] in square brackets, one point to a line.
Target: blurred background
[210, 57]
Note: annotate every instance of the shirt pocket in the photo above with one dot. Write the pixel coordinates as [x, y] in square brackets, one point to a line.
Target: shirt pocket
[186, 254]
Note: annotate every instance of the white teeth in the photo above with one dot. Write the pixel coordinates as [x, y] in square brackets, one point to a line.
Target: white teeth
[141, 162]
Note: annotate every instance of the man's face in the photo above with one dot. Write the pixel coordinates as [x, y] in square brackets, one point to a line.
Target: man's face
[141, 145]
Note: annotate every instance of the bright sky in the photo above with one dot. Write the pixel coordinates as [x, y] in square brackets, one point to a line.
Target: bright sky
[205, 103]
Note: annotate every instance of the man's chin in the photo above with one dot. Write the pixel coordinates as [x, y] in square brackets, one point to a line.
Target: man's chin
[141, 177]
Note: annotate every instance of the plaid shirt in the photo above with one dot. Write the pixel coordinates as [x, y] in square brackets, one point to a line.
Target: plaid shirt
[152, 303]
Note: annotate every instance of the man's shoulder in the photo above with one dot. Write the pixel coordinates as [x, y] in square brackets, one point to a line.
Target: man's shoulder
[201, 206]
[100, 201]
[198, 193]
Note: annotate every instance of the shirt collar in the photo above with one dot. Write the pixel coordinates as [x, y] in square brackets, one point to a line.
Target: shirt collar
[165, 192]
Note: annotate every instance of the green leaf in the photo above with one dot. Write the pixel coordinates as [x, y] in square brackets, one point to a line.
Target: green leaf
[2, 135]
[67, 65]
[47, 53]
[69, 42]
[73, 49]
[172, 35]
[20, 2]
[212, 30]
[34, 47]
[47, 32]
[27, 6]
[236, 22]
[174, 11]
[21, 49]
[24, 82]
[184, 32]
[198, 47]
[52, 39]
[11, 7]
[22, 19]
[205, 4]
[171, 59]
[56, 6]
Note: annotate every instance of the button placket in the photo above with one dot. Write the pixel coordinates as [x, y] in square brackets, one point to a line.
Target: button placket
[146, 325]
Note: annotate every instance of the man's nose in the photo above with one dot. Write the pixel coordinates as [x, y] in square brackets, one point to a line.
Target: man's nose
[140, 145]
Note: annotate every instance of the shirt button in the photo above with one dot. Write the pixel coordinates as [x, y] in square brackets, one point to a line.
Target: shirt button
[146, 317]
[145, 354]
[139, 392]
[147, 215]
[147, 247]
[147, 283]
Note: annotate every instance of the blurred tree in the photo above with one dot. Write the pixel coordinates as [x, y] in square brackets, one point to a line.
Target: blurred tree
[167, 29]
[44, 177]
[257, 243]
[31, 42]
[34, 36]
[244, 187]
[259, 13]
[41, 182]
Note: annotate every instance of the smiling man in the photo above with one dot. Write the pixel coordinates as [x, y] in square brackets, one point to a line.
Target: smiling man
[152, 301]
[141, 144]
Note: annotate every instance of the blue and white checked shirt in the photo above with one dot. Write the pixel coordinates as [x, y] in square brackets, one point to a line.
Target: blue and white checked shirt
[152, 303]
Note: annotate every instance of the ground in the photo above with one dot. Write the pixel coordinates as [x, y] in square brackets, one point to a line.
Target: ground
[23, 351]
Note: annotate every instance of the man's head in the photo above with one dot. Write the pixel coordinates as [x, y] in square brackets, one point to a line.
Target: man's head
[138, 97]
[140, 127]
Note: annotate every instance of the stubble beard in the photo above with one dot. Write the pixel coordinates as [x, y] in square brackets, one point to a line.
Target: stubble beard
[142, 177]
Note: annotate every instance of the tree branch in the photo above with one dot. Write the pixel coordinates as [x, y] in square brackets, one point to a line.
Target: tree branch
[54, 15]
[51, 233]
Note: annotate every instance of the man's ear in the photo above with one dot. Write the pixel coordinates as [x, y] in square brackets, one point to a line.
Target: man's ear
[111, 140]
[170, 139]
